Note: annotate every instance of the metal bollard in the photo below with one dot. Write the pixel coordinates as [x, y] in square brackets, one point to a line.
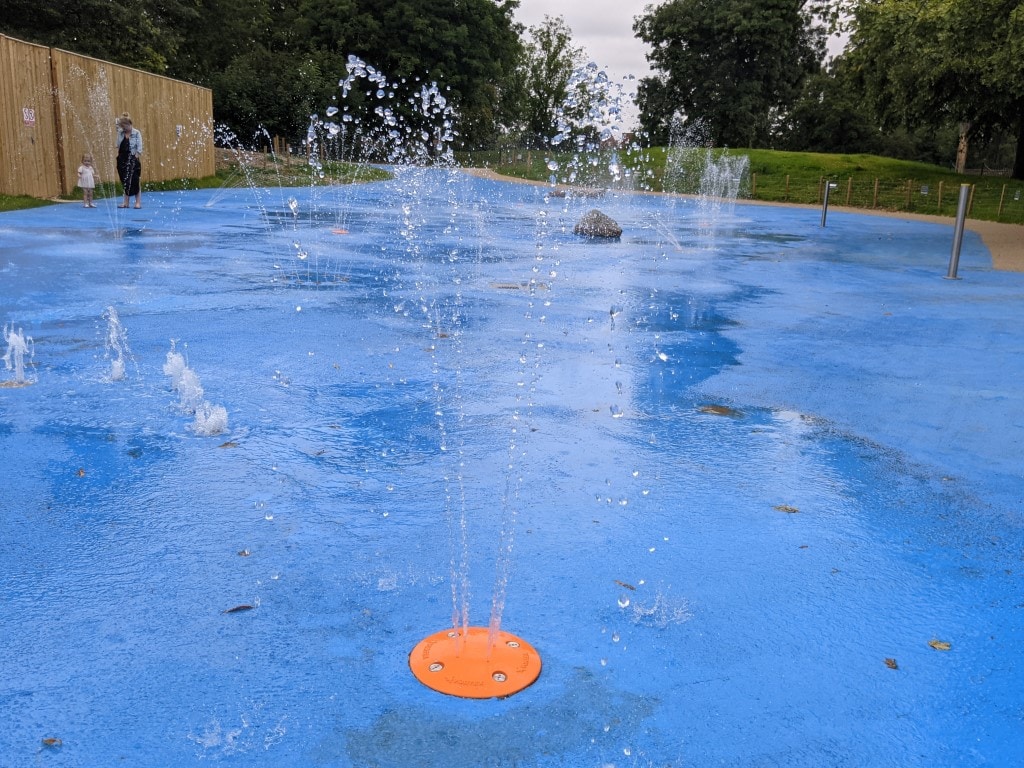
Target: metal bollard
[824, 204]
[958, 231]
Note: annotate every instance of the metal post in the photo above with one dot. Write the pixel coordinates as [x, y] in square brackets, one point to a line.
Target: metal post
[824, 204]
[958, 231]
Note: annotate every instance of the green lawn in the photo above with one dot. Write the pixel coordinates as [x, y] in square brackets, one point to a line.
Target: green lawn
[864, 181]
[20, 202]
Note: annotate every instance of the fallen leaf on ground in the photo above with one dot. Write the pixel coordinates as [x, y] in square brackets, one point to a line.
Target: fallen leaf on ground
[939, 645]
[891, 664]
[239, 609]
[244, 553]
[80, 473]
[624, 584]
[720, 410]
[787, 509]
[228, 444]
[53, 741]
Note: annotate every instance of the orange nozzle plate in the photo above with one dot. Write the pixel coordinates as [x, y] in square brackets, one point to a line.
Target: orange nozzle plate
[470, 665]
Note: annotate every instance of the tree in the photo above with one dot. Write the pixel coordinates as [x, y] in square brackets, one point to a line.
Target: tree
[930, 62]
[272, 63]
[268, 64]
[144, 34]
[734, 65]
[470, 48]
[830, 115]
[547, 66]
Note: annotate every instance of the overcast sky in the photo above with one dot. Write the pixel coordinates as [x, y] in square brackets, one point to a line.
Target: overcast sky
[604, 28]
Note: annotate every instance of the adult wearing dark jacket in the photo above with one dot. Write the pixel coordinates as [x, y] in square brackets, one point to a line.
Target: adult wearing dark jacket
[129, 160]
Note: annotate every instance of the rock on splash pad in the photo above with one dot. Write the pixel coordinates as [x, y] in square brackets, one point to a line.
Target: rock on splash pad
[474, 667]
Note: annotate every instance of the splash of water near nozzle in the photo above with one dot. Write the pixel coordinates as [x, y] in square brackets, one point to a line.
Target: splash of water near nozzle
[18, 347]
[209, 419]
[116, 343]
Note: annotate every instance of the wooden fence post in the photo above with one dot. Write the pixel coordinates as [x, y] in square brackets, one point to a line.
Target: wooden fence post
[970, 200]
[821, 181]
[849, 190]
[787, 187]
[874, 198]
[1002, 197]
[940, 196]
[753, 186]
[910, 183]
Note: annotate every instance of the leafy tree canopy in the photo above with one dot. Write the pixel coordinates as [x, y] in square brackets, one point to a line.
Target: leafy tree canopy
[549, 61]
[734, 65]
[144, 34]
[271, 63]
[930, 62]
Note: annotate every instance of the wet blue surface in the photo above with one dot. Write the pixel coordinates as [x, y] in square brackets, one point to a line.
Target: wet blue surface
[738, 468]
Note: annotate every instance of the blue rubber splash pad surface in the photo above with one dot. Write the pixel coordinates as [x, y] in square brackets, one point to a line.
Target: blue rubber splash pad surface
[751, 487]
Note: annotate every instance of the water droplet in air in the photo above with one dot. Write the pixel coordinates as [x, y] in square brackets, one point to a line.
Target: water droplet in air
[623, 602]
[332, 111]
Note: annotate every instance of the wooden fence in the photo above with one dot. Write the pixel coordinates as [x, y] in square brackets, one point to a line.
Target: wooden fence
[56, 105]
[999, 199]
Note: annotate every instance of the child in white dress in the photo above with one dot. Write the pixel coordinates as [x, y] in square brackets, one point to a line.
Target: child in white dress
[87, 180]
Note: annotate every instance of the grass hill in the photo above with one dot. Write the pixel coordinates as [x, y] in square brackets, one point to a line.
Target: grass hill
[864, 181]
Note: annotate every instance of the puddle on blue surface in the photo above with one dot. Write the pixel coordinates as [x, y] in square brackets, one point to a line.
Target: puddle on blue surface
[745, 473]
